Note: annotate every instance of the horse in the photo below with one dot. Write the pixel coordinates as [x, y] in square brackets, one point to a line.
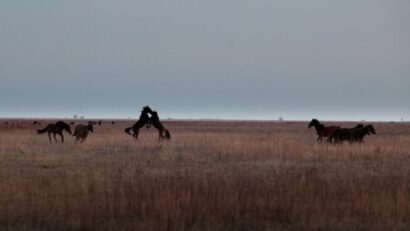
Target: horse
[162, 132]
[321, 130]
[341, 134]
[81, 132]
[359, 133]
[56, 128]
[355, 134]
[143, 120]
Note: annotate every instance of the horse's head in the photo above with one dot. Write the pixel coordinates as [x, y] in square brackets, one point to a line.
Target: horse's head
[90, 128]
[68, 129]
[313, 123]
[154, 116]
[146, 109]
[64, 126]
[370, 129]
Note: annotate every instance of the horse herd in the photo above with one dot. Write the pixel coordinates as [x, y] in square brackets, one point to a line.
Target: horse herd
[148, 118]
[336, 134]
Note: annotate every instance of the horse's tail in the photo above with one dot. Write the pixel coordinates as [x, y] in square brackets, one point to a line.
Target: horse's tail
[41, 131]
[167, 134]
[127, 130]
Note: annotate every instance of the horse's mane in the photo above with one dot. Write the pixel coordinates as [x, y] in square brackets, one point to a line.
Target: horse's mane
[146, 109]
[62, 124]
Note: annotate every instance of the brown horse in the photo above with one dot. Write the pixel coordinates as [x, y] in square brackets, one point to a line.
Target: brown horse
[81, 132]
[162, 132]
[341, 134]
[351, 135]
[144, 120]
[322, 130]
[56, 128]
[359, 133]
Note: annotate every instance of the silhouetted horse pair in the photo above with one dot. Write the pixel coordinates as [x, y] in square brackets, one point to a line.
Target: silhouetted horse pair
[80, 132]
[147, 120]
[337, 134]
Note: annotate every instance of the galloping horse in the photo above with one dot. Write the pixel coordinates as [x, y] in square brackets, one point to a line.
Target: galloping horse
[162, 132]
[81, 132]
[321, 130]
[341, 134]
[56, 128]
[143, 120]
[358, 134]
[355, 134]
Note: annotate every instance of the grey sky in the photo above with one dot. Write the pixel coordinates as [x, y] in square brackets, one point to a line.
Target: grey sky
[206, 59]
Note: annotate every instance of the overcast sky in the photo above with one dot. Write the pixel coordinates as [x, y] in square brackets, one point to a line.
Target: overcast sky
[232, 59]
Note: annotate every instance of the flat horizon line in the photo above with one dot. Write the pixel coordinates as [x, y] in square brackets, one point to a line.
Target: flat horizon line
[197, 119]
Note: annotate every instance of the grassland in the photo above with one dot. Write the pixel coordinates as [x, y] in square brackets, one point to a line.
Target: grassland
[210, 176]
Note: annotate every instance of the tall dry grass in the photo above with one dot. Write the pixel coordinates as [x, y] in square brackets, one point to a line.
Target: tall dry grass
[210, 176]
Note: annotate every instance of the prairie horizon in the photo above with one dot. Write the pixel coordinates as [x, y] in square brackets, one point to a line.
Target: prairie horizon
[211, 175]
[204, 115]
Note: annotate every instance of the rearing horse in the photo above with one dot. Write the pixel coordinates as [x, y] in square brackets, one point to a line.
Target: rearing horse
[322, 130]
[143, 120]
[162, 132]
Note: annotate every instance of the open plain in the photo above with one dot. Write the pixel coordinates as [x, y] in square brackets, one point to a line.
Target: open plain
[211, 175]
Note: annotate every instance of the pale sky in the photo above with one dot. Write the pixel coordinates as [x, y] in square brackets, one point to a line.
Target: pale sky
[229, 59]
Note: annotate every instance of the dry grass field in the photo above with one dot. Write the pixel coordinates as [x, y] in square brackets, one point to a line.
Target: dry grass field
[209, 176]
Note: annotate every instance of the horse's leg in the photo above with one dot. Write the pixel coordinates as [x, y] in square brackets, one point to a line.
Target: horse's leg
[136, 132]
[62, 137]
[160, 136]
[55, 138]
[49, 137]
[84, 138]
[330, 139]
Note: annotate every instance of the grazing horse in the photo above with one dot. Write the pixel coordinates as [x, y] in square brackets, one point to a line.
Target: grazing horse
[81, 132]
[56, 128]
[341, 134]
[162, 132]
[321, 130]
[143, 120]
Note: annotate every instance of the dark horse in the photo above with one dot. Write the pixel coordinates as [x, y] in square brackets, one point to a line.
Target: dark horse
[162, 132]
[341, 134]
[359, 133]
[321, 130]
[81, 132]
[56, 128]
[351, 135]
[143, 120]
